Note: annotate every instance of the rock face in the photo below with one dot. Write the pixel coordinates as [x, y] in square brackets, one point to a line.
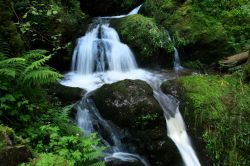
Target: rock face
[67, 95]
[147, 40]
[131, 106]
[12, 150]
[108, 7]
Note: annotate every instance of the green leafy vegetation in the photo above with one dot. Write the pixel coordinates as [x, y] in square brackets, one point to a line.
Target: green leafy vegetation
[216, 109]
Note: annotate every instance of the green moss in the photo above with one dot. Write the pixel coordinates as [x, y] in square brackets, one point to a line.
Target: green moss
[217, 110]
[204, 30]
[144, 36]
[48, 159]
[8, 137]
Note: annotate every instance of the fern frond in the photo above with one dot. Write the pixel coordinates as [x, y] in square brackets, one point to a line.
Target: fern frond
[12, 61]
[5, 48]
[7, 72]
[40, 77]
[100, 163]
[93, 155]
[35, 54]
[37, 64]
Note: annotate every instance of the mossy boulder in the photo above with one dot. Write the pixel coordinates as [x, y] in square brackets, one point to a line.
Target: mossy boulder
[147, 40]
[216, 111]
[108, 7]
[12, 148]
[130, 105]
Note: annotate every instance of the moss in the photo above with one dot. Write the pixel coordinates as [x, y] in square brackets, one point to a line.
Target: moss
[216, 109]
[8, 137]
[203, 30]
[146, 39]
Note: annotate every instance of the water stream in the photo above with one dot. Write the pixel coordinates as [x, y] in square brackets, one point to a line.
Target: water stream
[101, 58]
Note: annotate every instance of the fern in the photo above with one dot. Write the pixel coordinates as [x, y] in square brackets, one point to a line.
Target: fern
[35, 54]
[5, 48]
[5, 72]
[29, 69]
[37, 64]
[40, 77]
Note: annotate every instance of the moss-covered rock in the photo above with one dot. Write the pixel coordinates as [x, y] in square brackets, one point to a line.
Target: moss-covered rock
[202, 30]
[12, 148]
[131, 106]
[147, 40]
[216, 111]
[108, 7]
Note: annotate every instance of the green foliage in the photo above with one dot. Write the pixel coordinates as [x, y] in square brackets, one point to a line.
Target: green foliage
[48, 159]
[51, 24]
[8, 137]
[74, 148]
[22, 80]
[204, 30]
[217, 109]
[8, 31]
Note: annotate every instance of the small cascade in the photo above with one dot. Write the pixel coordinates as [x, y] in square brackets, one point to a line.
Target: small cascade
[176, 129]
[176, 61]
[90, 120]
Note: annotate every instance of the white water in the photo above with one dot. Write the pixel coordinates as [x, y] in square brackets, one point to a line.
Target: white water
[176, 128]
[100, 58]
[177, 62]
[134, 11]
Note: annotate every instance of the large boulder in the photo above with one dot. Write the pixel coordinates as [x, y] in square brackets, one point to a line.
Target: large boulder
[108, 7]
[130, 105]
[147, 40]
[12, 148]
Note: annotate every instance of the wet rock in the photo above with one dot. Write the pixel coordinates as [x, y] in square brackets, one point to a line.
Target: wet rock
[130, 105]
[67, 95]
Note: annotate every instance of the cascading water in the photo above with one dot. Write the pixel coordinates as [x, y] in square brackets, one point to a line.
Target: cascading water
[100, 58]
[177, 62]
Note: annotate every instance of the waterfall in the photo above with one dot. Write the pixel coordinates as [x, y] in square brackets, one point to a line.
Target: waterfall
[176, 61]
[176, 128]
[101, 58]
[101, 50]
